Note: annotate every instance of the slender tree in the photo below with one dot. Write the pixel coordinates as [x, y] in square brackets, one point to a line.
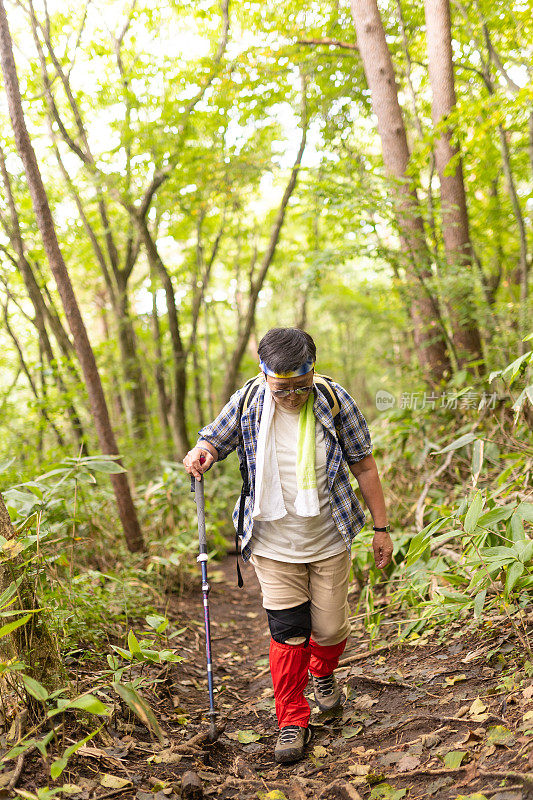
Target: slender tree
[381, 81]
[455, 231]
[46, 225]
[256, 283]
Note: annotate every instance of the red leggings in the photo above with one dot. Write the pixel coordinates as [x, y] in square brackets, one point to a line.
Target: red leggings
[289, 665]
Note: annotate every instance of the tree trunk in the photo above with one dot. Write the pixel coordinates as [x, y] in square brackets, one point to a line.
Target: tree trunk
[38, 303]
[45, 222]
[381, 81]
[257, 283]
[455, 229]
[131, 367]
[159, 370]
[179, 427]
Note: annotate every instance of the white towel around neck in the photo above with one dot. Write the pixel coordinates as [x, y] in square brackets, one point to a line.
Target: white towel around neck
[268, 502]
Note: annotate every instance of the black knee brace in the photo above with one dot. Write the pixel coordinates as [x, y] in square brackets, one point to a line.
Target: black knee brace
[288, 622]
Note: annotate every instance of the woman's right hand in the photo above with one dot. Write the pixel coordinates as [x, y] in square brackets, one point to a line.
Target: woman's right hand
[197, 461]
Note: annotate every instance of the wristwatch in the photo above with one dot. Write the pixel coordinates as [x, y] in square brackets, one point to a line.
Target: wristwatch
[386, 529]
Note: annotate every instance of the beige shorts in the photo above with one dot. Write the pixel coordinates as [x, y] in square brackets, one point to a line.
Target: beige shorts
[324, 583]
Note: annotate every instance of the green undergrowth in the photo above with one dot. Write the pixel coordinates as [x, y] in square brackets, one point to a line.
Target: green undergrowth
[89, 587]
[462, 511]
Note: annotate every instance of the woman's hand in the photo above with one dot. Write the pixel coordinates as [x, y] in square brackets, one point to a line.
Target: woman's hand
[198, 460]
[382, 545]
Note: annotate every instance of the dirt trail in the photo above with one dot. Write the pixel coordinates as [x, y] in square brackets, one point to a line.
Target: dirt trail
[440, 719]
[435, 719]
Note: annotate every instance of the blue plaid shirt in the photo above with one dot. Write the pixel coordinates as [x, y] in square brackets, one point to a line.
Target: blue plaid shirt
[223, 433]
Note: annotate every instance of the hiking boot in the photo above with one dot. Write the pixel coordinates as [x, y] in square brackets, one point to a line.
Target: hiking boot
[291, 742]
[328, 696]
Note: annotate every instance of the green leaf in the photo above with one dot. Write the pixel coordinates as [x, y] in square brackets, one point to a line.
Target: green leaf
[140, 707]
[460, 442]
[157, 622]
[479, 602]
[477, 459]
[110, 467]
[5, 630]
[85, 702]
[474, 512]
[90, 703]
[454, 758]
[513, 573]
[57, 767]
[500, 735]
[59, 764]
[490, 518]
[349, 731]
[247, 737]
[526, 511]
[524, 550]
[133, 644]
[6, 596]
[124, 653]
[417, 547]
[34, 688]
[517, 527]
[511, 371]
[386, 791]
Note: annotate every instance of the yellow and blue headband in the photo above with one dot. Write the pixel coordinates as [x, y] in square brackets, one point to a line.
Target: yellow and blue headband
[303, 369]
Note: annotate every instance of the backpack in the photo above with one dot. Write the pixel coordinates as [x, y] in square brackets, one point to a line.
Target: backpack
[323, 384]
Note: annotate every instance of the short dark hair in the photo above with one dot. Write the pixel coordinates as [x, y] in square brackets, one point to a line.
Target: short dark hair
[285, 349]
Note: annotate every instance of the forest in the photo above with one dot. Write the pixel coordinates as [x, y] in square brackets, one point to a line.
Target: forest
[177, 178]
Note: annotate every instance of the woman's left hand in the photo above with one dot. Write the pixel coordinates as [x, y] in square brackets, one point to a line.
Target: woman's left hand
[382, 545]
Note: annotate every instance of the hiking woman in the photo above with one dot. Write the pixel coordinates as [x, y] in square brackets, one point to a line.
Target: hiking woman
[300, 516]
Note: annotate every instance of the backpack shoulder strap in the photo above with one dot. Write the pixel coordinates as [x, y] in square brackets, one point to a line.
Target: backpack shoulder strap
[251, 388]
[323, 383]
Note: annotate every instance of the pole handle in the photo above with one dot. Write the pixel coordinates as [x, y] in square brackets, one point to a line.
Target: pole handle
[198, 488]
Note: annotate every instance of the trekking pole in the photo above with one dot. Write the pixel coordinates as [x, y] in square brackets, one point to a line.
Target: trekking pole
[197, 486]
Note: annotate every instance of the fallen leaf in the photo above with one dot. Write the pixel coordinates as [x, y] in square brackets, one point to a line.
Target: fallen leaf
[244, 737]
[387, 791]
[364, 701]
[275, 794]
[438, 784]
[359, 769]
[471, 737]
[388, 759]
[165, 757]
[113, 781]
[430, 740]
[450, 680]
[349, 731]
[319, 751]
[454, 758]
[475, 796]
[500, 735]
[477, 711]
[477, 707]
[527, 694]
[473, 655]
[408, 763]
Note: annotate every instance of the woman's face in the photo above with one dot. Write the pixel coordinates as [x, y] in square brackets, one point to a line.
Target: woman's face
[293, 402]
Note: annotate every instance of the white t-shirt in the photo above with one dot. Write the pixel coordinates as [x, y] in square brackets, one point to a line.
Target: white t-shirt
[293, 538]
